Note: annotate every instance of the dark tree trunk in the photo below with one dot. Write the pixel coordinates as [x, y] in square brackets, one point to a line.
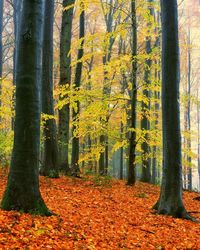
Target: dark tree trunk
[65, 78]
[22, 191]
[122, 50]
[132, 140]
[75, 140]
[170, 201]
[50, 162]
[17, 8]
[145, 123]
[155, 169]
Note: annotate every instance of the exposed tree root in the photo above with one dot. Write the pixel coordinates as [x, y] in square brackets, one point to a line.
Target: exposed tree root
[178, 213]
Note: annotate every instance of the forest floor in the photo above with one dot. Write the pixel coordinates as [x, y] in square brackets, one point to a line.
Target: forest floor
[99, 214]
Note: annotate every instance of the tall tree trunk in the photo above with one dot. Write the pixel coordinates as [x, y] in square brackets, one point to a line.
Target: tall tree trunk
[132, 140]
[50, 163]
[22, 191]
[155, 169]
[75, 115]
[17, 8]
[65, 78]
[123, 82]
[170, 201]
[145, 123]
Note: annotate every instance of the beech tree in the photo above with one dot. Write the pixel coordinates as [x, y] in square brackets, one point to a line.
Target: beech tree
[65, 78]
[170, 201]
[17, 8]
[50, 161]
[22, 191]
[145, 123]
[132, 140]
[155, 161]
[77, 81]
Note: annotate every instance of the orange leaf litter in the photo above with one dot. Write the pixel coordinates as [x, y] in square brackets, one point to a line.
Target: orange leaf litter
[98, 217]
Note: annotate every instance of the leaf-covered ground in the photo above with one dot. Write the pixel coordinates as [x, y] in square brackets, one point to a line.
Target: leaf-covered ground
[98, 214]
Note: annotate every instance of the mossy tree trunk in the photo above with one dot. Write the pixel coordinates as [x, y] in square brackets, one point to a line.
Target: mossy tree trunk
[50, 161]
[22, 191]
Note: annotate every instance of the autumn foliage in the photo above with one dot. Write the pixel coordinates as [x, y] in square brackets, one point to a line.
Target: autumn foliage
[98, 213]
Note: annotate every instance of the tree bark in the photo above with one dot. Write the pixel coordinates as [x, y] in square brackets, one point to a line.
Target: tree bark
[75, 115]
[155, 167]
[17, 8]
[132, 140]
[170, 201]
[65, 78]
[50, 161]
[22, 191]
[145, 123]
[17, 4]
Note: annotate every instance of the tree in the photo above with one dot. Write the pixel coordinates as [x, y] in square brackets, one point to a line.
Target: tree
[65, 78]
[17, 8]
[50, 163]
[170, 201]
[77, 81]
[155, 161]
[132, 139]
[145, 124]
[22, 191]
